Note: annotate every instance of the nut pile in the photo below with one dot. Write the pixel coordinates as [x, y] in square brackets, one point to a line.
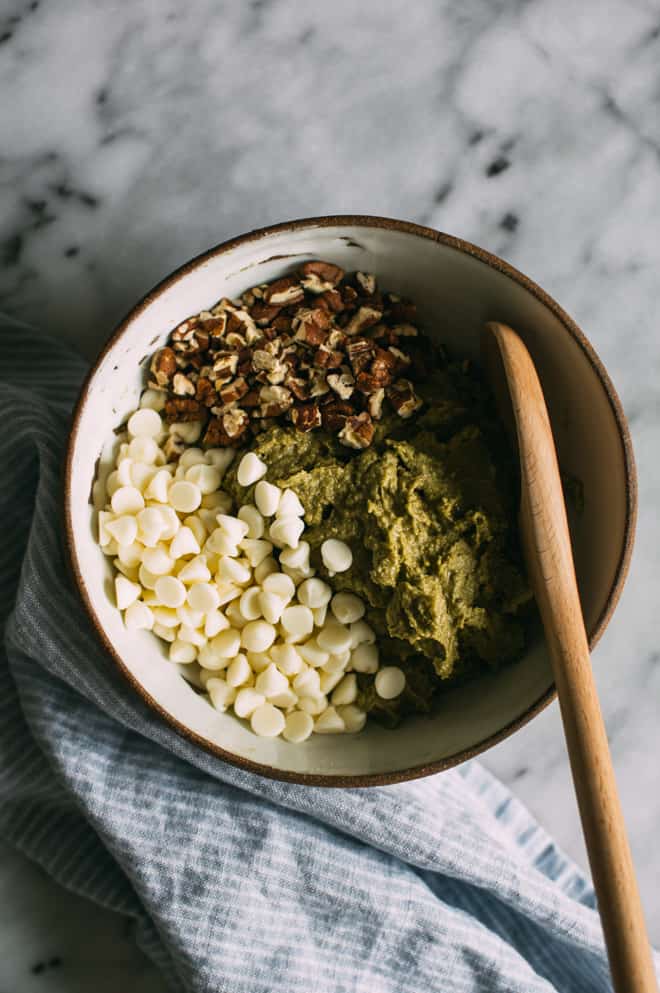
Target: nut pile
[317, 348]
[235, 594]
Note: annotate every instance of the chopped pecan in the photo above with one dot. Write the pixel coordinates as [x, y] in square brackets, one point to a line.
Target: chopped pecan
[264, 313]
[318, 384]
[360, 351]
[375, 404]
[183, 386]
[235, 422]
[383, 366]
[224, 367]
[185, 330]
[358, 431]
[364, 318]
[215, 435]
[342, 383]
[282, 324]
[336, 339]
[333, 415]
[318, 277]
[306, 417]
[367, 281]
[348, 295]
[234, 391]
[163, 366]
[183, 409]
[311, 325]
[298, 386]
[403, 398]
[205, 392]
[402, 360]
[251, 399]
[328, 358]
[330, 300]
[284, 291]
[367, 383]
[235, 340]
[275, 400]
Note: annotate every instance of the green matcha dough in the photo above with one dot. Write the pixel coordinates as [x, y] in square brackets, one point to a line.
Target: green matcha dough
[429, 511]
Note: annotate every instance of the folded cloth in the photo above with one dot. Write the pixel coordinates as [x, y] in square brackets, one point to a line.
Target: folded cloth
[235, 882]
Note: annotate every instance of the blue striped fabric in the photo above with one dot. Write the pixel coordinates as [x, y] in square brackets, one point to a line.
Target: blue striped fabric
[237, 883]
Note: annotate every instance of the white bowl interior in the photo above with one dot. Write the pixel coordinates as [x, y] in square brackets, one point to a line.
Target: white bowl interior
[456, 293]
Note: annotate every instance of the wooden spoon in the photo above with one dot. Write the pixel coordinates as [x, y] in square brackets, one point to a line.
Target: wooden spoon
[547, 549]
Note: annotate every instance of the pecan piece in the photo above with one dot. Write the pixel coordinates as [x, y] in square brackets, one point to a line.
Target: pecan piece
[235, 423]
[331, 301]
[275, 400]
[375, 404]
[311, 325]
[402, 360]
[364, 318]
[215, 435]
[163, 366]
[224, 367]
[306, 417]
[320, 276]
[264, 313]
[298, 386]
[383, 366]
[333, 415]
[318, 384]
[205, 392]
[328, 358]
[405, 330]
[360, 351]
[367, 383]
[403, 398]
[251, 399]
[342, 383]
[358, 431]
[183, 386]
[183, 409]
[284, 291]
[367, 282]
[234, 391]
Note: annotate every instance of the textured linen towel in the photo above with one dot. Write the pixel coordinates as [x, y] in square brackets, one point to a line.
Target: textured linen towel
[237, 883]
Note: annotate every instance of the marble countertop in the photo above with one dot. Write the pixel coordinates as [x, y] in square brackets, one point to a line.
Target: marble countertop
[137, 135]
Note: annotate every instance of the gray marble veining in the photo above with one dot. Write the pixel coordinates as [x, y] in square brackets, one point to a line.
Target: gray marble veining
[133, 136]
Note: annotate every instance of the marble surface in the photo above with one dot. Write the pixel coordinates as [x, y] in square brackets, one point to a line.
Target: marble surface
[136, 135]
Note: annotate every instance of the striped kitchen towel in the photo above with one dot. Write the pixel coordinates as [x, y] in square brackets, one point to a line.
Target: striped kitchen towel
[238, 883]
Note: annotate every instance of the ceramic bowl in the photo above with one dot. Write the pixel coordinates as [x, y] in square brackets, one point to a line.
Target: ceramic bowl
[457, 287]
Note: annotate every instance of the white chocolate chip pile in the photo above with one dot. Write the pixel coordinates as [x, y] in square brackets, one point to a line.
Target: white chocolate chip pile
[235, 593]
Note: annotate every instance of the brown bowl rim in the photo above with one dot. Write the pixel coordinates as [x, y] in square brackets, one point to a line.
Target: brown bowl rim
[494, 262]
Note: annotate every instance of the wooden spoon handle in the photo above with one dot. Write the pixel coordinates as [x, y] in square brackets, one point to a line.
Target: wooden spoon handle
[547, 548]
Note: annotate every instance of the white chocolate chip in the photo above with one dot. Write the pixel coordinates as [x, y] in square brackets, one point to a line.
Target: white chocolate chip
[165, 616]
[254, 520]
[347, 607]
[157, 561]
[233, 527]
[205, 477]
[336, 556]
[153, 400]
[222, 695]
[249, 604]
[297, 621]
[203, 597]
[195, 571]
[145, 422]
[361, 633]
[364, 658]
[221, 458]
[232, 571]
[334, 638]
[227, 643]
[183, 543]
[389, 682]
[123, 529]
[170, 591]
[353, 717]
[320, 614]
[182, 652]
[170, 521]
[250, 469]
[239, 671]
[193, 522]
[329, 722]
[312, 654]
[130, 555]
[270, 682]
[346, 691]
[290, 505]
[307, 683]
[313, 705]
[296, 558]
[127, 500]
[285, 532]
[193, 618]
[184, 496]
[314, 593]
[265, 568]
[330, 679]
[297, 727]
[246, 702]
[256, 550]
[287, 659]
[191, 636]
[271, 606]
[143, 449]
[267, 498]
[267, 721]
[215, 623]
[126, 592]
[166, 634]
[280, 585]
[258, 636]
